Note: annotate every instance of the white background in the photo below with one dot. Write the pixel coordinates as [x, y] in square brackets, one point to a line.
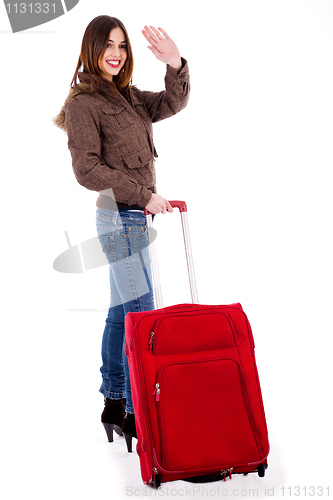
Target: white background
[252, 156]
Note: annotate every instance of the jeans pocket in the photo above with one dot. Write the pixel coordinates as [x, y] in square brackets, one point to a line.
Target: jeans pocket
[107, 241]
[136, 231]
[137, 238]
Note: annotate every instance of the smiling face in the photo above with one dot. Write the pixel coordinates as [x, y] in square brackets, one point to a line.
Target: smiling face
[115, 54]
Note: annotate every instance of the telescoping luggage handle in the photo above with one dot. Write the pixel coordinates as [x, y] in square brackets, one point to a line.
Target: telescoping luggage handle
[181, 205]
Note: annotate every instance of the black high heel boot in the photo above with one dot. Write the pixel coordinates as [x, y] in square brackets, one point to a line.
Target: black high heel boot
[113, 416]
[129, 430]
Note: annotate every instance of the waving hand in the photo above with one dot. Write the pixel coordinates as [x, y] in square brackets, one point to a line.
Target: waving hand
[162, 46]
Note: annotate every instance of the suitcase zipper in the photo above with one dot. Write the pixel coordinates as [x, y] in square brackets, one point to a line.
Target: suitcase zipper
[151, 340]
[157, 392]
[158, 469]
[225, 472]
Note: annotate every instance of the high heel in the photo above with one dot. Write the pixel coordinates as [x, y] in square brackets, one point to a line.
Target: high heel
[128, 440]
[129, 430]
[113, 416]
[109, 431]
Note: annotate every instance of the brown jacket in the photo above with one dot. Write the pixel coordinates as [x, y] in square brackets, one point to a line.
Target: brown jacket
[111, 139]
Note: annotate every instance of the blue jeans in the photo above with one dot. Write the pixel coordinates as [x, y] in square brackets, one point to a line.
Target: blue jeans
[124, 240]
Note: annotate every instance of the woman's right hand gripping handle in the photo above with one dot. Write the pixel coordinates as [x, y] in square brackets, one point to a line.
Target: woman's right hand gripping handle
[158, 205]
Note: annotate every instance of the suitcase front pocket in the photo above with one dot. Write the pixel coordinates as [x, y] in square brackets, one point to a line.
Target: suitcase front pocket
[188, 332]
[206, 420]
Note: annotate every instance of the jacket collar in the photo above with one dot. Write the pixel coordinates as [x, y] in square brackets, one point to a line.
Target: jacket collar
[84, 86]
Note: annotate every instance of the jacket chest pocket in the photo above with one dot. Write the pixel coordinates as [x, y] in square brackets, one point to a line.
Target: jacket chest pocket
[117, 116]
[139, 159]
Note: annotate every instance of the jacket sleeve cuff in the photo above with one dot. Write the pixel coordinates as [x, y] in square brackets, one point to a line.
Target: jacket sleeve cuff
[180, 72]
[178, 82]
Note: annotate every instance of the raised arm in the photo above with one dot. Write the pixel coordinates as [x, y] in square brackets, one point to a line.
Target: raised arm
[162, 46]
[174, 98]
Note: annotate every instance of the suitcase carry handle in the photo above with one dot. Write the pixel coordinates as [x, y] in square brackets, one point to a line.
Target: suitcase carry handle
[181, 205]
[175, 204]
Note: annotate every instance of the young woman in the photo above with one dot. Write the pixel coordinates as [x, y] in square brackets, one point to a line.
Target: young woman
[109, 126]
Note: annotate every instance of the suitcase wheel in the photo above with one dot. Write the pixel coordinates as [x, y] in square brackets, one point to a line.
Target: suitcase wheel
[262, 469]
[156, 480]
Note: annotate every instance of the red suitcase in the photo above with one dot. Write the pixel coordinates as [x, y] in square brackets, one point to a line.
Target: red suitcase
[195, 387]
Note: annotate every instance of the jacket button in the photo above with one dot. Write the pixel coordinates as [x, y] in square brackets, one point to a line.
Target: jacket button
[140, 159]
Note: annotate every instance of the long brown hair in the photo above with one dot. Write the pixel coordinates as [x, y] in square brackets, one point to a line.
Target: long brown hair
[93, 46]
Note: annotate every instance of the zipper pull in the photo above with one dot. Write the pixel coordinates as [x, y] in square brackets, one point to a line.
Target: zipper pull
[156, 392]
[151, 340]
[225, 472]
